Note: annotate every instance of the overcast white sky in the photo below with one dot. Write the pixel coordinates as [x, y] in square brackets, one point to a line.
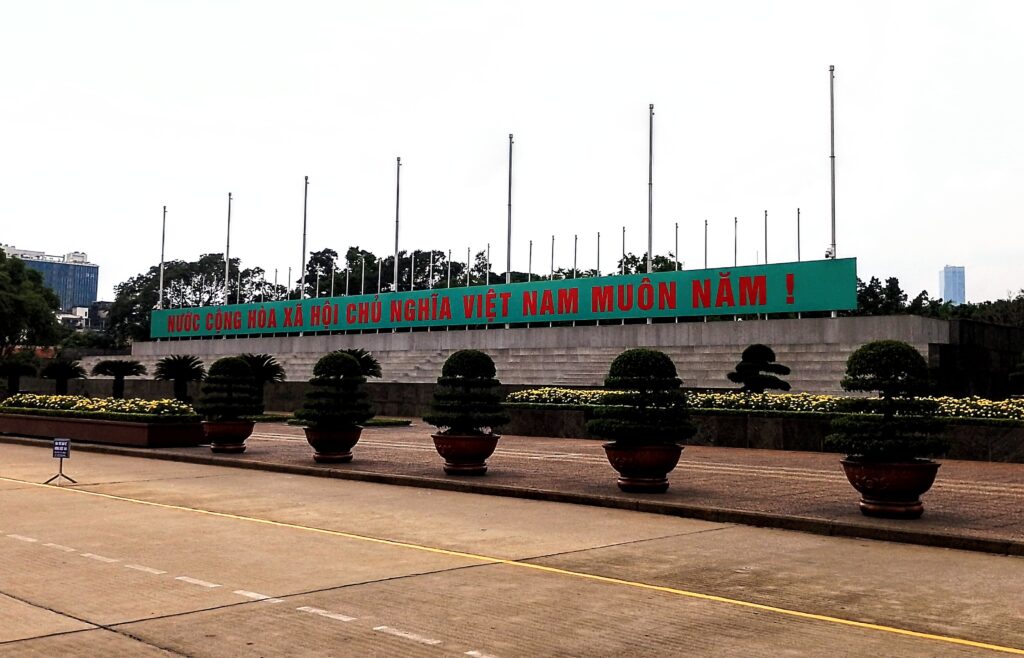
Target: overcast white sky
[109, 110]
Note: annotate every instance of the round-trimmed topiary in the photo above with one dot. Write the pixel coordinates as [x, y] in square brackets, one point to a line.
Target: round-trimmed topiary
[887, 456]
[649, 405]
[466, 408]
[758, 372]
[466, 399]
[229, 392]
[335, 398]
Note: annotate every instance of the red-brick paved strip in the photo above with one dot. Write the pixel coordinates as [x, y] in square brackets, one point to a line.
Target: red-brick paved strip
[973, 505]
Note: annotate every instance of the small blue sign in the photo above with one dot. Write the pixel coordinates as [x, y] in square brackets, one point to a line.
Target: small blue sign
[62, 448]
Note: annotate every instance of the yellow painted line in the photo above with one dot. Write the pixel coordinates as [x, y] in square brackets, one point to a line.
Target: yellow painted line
[545, 569]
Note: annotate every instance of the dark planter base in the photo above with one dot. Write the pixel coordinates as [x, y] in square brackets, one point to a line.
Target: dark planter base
[227, 436]
[891, 491]
[465, 454]
[332, 446]
[113, 432]
[643, 469]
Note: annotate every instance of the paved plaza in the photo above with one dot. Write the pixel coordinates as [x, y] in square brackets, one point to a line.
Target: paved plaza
[157, 557]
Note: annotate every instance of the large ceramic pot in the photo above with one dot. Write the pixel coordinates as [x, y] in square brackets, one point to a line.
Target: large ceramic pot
[227, 435]
[643, 468]
[465, 454]
[332, 446]
[891, 490]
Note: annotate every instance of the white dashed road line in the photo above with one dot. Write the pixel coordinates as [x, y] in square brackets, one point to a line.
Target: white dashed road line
[99, 558]
[326, 613]
[256, 596]
[61, 547]
[406, 635]
[196, 581]
[23, 538]
[139, 567]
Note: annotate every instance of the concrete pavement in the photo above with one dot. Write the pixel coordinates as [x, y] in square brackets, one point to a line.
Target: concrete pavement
[150, 557]
[973, 505]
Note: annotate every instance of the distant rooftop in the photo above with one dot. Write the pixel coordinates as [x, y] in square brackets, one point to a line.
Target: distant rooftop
[73, 257]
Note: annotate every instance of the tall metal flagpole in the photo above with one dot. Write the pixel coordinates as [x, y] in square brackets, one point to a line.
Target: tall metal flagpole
[302, 272]
[163, 240]
[334, 271]
[227, 255]
[529, 264]
[380, 272]
[467, 266]
[798, 235]
[508, 251]
[289, 282]
[362, 276]
[622, 264]
[430, 271]
[599, 253]
[677, 246]
[765, 237]
[650, 189]
[575, 244]
[705, 244]
[238, 290]
[398, 189]
[449, 268]
[412, 270]
[552, 258]
[347, 272]
[276, 297]
[832, 157]
[487, 274]
[735, 240]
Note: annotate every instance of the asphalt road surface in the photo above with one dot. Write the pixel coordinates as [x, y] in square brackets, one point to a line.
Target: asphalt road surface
[157, 558]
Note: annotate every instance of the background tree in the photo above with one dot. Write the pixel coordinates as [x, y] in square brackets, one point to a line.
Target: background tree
[119, 369]
[16, 365]
[180, 369]
[27, 307]
[61, 371]
[264, 369]
[758, 372]
[638, 264]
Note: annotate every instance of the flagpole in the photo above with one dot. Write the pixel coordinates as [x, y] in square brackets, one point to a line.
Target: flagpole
[508, 249]
[650, 189]
[163, 241]
[302, 272]
[398, 188]
[227, 254]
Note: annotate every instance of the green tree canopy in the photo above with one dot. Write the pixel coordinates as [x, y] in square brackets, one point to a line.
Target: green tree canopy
[27, 307]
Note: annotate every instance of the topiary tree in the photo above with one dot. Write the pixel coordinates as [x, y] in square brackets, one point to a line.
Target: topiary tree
[15, 366]
[119, 369]
[180, 369]
[896, 371]
[229, 392]
[61, 371]
[757, 371]
[368, 363]
[335, 399]
[466, 400]
[648, 406]
[264, 368]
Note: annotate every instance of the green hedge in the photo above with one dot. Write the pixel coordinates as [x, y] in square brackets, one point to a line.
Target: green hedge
[103, 415]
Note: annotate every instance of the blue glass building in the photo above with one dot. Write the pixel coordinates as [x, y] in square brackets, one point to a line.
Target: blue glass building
[74, 280]
[951, 284]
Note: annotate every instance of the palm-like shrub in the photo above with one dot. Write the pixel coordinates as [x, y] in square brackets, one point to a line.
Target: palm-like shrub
[61, 371]
[466, 400]
[368, 363]
[229, 392]
[180, 369]
[906, 429]
[119, 369]
[758, 372]
[335, 399]
[16, 366]
[264, 369]
[648, 405]
[1017, 378]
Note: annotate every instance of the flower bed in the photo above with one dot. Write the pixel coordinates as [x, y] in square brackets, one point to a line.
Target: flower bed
[981, 430]
[146, 423]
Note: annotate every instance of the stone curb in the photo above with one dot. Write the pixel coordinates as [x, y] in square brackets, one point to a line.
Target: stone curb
[713, 514]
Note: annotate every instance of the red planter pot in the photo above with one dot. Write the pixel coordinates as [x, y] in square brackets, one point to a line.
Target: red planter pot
[891, 490]
[465, 454]
[227, 435]
[332, 446]
[643, 469]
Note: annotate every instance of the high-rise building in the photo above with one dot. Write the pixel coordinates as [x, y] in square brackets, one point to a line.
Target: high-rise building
[951, 284]
[72, 277]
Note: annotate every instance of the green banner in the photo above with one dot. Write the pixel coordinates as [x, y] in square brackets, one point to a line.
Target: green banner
[824, 285]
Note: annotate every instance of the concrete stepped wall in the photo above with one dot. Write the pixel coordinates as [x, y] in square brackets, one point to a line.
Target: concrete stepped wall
[815, 348]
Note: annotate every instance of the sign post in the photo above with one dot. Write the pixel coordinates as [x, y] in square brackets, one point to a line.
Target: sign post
[61, 451]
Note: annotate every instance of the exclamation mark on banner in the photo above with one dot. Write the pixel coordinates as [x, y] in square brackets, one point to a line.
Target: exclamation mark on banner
[789, 288]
